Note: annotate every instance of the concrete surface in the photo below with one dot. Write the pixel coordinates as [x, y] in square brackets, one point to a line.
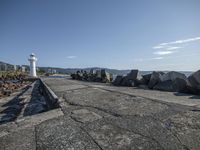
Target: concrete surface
[99, 116]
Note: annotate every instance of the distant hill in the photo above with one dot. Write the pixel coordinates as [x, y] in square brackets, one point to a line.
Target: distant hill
[73, 70]
[113, 71]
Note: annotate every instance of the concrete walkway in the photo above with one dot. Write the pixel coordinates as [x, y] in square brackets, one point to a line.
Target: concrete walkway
[100, 116]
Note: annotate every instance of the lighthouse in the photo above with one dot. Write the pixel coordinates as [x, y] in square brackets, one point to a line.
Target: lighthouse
[32, 60]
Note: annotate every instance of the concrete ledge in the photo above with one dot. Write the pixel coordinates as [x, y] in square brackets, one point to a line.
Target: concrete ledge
[52, 99]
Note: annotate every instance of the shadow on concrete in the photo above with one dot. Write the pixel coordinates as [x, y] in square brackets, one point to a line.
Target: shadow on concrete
[37, 103]
[189, 95]
[13, 107]
[26, 103]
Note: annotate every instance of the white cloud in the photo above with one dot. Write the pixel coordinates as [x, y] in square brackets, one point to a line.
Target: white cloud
[71, 57]
[157, 58]
[172, 48]
[165, 45]
[158, 47]
[163, 52]
[183, 41]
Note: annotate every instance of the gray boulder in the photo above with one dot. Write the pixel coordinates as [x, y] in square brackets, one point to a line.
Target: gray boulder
[194, 80]
[132, 75]
[118, 80]
[92, 71]
[172, 75]
[130, 78]
[155, 79]
[176, 85]
[146, 78]
[98, 73]
[105, 76]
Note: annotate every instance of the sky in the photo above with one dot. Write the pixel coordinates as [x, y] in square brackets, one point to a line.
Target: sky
[119, 34]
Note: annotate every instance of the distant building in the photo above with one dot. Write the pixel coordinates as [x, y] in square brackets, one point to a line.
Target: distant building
[6, 67]
[23, 69]
[51, 71]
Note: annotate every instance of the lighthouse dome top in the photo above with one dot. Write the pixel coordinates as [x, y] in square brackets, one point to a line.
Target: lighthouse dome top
[32, 54]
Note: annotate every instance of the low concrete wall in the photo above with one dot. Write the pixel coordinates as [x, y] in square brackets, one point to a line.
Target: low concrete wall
[52, 99]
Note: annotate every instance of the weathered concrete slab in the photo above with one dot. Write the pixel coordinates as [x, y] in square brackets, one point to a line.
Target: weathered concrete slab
[132, 118]
[23, 139]
[63, 133]
[100, 116]
[171, 97]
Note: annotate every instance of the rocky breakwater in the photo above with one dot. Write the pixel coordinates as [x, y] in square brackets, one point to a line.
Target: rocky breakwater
[172, 81]
[10, 82]
[93, 75]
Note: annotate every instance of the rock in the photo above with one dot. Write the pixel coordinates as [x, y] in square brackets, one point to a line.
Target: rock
[194, 80]
[155, 78]
[139, 81]
[176, 85]
[73, 75]
[85, 75]
[130, 78]
[172, 75]
[132, 75]
[118, 80]
[98, 73]
[1, 84]
[7, 92]
[92, 71]
[105, 76]
[146, 78]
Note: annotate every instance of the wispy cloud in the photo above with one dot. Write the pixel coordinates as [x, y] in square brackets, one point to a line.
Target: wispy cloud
[157, 58]
[169, 44]
[173, 48]
[181, 41]
[163, 52]
[71, 57]
[147, 59]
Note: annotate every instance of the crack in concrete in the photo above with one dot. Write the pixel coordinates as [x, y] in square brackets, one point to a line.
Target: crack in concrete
[35, 133]
[87, 133]
[175, 135]
[115, 115]
[94, 107]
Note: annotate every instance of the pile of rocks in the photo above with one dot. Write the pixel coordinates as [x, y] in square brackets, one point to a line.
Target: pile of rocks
[93, 75]
[171, 81]
[9, 82]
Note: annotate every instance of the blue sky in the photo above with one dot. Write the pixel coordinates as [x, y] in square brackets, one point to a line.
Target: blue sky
[120, 34]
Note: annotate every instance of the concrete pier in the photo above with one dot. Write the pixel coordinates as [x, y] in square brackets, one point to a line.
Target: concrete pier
[100, 116]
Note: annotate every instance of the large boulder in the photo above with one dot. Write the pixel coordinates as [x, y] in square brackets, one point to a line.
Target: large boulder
[146, 78]
[79, 75]
[98, 73]
[176, 85]
[155, 79]
[73, 75]
[105, 76]
[92, 71]
[130, 78]
[85, 75]
[132, 75]
[118, 80]
[172, 75]
[194, 80]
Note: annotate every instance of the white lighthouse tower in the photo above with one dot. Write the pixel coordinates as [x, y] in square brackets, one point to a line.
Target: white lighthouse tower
[32, 60]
